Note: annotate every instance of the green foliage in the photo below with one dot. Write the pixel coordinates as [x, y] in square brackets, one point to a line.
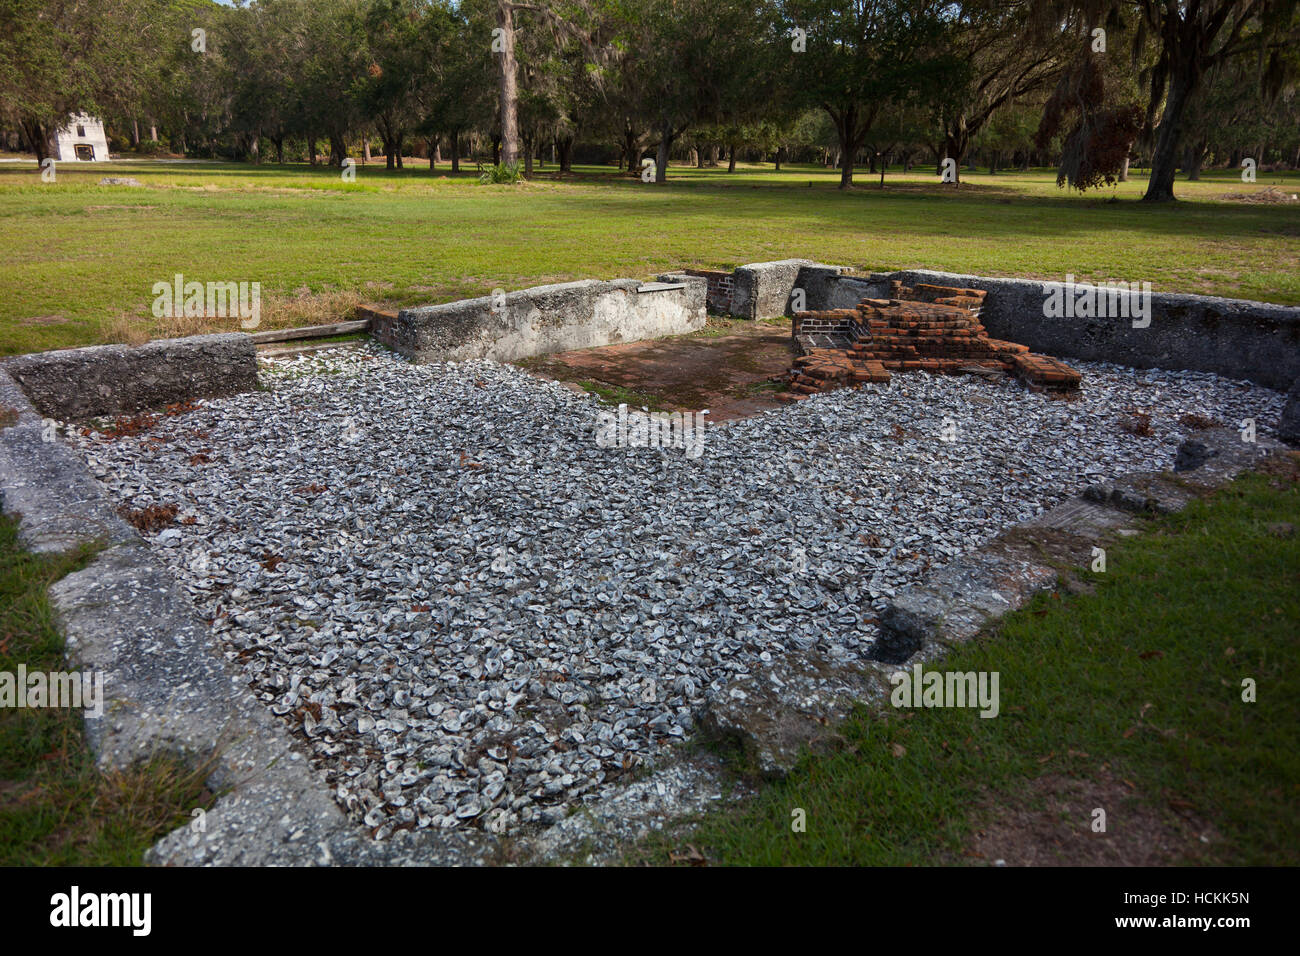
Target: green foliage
[868, 61]
[60, 58]
[501, 173]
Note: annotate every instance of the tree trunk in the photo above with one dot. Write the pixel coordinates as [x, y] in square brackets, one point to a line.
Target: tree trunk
[632, 151]
[666, 137]
[731, 158]
[279, 148]
[399, 147]
[1164, 160]
[338, 149]
[564, 147]
[135, 134]
[850, 138]
[509, 85]
[954, 146]
[527, 143]
[1197, 162]
[779, 151]
[38, 139]
[311, 149]
[713, 155]
[1123, 172]
[455, 151]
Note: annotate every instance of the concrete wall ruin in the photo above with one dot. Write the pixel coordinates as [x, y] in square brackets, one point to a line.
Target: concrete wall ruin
[1236, 338]
[550, 318]
[77, 384]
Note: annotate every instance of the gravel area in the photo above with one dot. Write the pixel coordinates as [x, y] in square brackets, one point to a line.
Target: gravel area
[471, 615]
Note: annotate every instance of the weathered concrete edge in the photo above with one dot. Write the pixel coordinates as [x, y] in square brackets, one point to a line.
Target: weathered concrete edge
[541, 319]
[167, 689]
[82, 383]
[765, 290]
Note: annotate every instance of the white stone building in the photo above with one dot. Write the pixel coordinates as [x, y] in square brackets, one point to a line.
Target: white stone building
[81, 139]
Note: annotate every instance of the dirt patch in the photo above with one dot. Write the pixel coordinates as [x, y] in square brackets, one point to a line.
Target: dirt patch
[1270, 194]
[1197, 422]
[278, 311]
[1283, 470]
[42, 320]
[727, 368]
[1049, 822]
[1063, 549]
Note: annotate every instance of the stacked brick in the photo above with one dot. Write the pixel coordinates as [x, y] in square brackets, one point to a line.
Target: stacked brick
[925, 328]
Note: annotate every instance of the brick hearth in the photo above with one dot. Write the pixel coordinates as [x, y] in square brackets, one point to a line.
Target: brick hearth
[928, 328]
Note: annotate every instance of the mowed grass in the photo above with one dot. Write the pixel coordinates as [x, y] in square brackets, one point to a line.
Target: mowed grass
[56, 807]
[80, 260]
[1133, 692]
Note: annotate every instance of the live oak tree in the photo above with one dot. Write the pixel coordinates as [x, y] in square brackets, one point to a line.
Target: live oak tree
[1192, 37]
[864, 57]
[1094, 151]
[397, 42]
[582, 21]
[1003, 51]
[58, 57]
[695, 61]
[456, 89]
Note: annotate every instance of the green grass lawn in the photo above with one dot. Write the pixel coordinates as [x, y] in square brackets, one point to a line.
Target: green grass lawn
[1128, 698]
[56, 807]
[80, 259]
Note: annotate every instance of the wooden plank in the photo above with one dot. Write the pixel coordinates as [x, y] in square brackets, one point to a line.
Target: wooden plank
[310, 332]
